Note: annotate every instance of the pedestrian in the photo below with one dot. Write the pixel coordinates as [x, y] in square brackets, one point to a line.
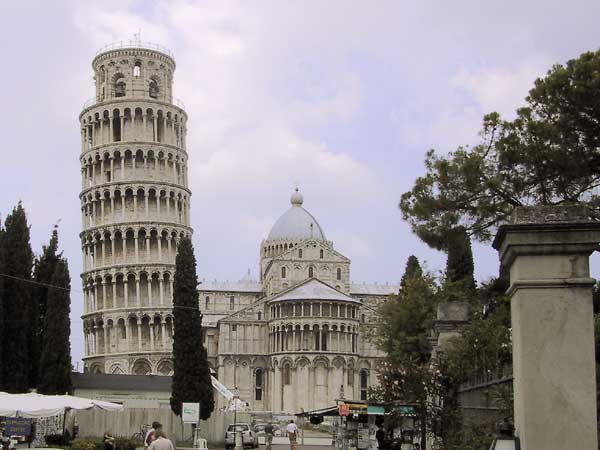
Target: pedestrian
[109, 441]
[161, 442]
[268, 435]
[151, 434]
[292, 431]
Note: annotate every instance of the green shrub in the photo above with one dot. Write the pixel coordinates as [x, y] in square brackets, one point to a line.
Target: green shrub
[122, 443]
[87, 444]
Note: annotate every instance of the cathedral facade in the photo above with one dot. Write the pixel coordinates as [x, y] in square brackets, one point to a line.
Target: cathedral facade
[295, 339]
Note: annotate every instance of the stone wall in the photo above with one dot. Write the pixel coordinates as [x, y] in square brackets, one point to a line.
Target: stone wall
[94, 423]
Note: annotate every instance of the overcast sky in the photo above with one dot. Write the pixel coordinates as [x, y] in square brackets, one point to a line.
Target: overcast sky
[341, 97]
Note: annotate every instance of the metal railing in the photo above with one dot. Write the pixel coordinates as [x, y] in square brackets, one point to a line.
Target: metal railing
[92, 101]
[136, 44]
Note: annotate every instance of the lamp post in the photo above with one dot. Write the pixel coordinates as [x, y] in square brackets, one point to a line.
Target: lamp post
[236, 432]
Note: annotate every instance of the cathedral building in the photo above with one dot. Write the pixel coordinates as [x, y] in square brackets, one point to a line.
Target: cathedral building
[293, 340]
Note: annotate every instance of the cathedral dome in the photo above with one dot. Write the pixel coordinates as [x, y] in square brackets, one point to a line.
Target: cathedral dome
[296, 223]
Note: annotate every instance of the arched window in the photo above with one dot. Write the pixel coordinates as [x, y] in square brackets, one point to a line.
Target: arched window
[120, 87]
[258, 383]
[362, 318]
[137, 69]
[231, 303]
[339, 273]
[259, 315]
[321, 253]
[310, 272]
[285, 375]
[354, 313]
[207, 302]
[299, 253]
[364, 383]
[153, 89]
[283, 272]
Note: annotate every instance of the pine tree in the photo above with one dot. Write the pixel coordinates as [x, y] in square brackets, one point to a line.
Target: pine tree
[55, 362]
[413, 270]
[18, 262]
[459, 265]
[191, 377]
[44, 269]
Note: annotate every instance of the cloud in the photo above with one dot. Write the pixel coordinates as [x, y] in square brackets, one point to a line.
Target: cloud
[501, 89]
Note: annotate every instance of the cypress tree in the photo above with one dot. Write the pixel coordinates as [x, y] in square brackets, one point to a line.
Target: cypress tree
[55, 362]
[191, 377]
[2, 270]
[44, 270]
[459, 265]
[413, 271]
[18, 262]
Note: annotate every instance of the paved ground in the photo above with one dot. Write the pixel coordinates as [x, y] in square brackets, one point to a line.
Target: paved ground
[287, 447]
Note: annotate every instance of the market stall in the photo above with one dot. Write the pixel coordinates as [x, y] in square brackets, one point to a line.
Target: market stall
[20, 410]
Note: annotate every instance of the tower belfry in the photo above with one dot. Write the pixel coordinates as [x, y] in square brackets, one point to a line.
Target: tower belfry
[135, 205]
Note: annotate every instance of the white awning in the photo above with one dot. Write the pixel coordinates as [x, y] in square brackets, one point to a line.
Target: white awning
[32, 405]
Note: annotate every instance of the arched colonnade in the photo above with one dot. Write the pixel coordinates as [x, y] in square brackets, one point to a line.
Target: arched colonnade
[130, 244]
[116, 163]
[128, 333]
[126, 203]
[133, 121]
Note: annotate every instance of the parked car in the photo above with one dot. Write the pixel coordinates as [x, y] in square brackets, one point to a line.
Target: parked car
[259, 428]
[249, 436]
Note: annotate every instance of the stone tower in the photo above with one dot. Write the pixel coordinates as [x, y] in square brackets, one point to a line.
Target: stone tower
[135, 207]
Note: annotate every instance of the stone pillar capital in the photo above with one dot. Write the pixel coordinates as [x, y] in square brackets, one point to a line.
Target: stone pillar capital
[543, 230]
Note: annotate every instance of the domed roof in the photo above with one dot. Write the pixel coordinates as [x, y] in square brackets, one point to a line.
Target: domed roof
[296, 223]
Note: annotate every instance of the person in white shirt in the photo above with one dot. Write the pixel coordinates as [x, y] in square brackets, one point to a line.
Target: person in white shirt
[292, 431]
[161, 442]
[150, 435]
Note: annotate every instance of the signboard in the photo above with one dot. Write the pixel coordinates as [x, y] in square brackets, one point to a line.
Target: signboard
[190, 412]
[406, 409]
[375, 410]
[17, 426]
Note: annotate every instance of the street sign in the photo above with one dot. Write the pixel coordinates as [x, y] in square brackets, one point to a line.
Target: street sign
[190, 412]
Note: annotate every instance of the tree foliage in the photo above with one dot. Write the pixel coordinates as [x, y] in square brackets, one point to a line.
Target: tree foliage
[2, 301]
[459, 265]
[413, 270]
[549, 154]
[55, 362]
[402, 330]
[191, 377]
[16, 338]
[44, 270]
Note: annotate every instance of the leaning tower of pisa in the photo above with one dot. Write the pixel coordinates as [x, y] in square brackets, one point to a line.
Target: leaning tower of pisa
[134, 206]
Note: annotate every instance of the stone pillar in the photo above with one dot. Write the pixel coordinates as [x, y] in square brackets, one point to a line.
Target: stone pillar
[160, 290]
[547, 251]
[277, 390]
[139, 335]
[451, 316]
[125, 292]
